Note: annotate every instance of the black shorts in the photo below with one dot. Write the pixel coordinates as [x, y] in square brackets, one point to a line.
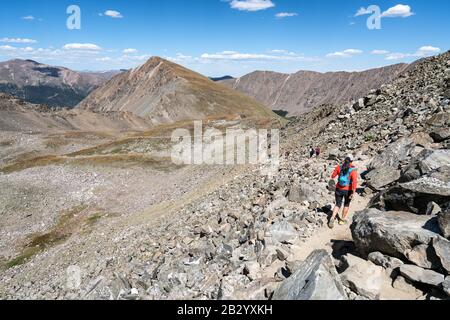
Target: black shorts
[342, 195]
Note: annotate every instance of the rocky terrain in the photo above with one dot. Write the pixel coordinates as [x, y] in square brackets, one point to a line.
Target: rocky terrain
[163, 91]
[300, 92]
[140, 229]
[43, 84]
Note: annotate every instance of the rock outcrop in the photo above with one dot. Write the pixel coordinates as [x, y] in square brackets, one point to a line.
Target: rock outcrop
[315, 279]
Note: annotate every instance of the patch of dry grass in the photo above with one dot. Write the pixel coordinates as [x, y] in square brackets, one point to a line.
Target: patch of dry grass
[73, 221]
[109, 160]
[6, 143]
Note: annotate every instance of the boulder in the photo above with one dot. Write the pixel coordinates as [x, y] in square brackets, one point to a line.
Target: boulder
[363, 277]
[282, 232]
[393, 155]
[415, 195]
[441, 119]
[423, 256]
[252, 270]
[385, 261]
[231, 285]
[315, 279]
[433, 209]
[333, 154]
[301, 192]
[360, 104]
[420, 275]
[440, 135]
[379, 178]
[426, 162]
[444, 223]
[403, 284]
[442, 248]
[446, 286]
[391, 233]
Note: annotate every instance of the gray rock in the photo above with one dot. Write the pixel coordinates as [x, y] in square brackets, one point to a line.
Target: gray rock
[423, 256]
[282, 232]
[363, 277]
[441, 119]
[424, 163]
[415, 195]
[381, 177]
[391, 233]
[444, 223]
[333, 154]
[433, 209]
[393, 155]
[385, 261]
[446, 286]
[301, 192]
[442, 248]
[440, 135]
[225, 250]
[417, 274]
[315, 279]
[231, 285]
[403, 284]
[252, 270]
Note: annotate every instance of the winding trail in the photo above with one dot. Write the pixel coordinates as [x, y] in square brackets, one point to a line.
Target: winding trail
[325, 237]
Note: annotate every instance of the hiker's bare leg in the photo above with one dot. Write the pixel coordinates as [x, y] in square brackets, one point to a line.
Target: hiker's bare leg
[335, 212]
[345, 213]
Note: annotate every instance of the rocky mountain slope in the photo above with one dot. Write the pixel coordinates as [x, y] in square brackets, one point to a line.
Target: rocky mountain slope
[163, 91]
[43, 84]
[20, 116]
[300, 92]
[241, 232]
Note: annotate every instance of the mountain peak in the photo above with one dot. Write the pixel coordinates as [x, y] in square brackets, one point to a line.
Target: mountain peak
[164, 91]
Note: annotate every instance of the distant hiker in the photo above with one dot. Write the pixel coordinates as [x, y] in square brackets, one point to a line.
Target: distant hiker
[345, 189]
[312, 152]
[318, 152]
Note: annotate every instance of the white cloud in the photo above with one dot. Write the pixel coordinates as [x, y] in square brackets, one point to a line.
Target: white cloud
[113, 14]
[422, 52]
[143, 57]
[286, 14]
[348, 53]
[251, 5]
[82, 46]
[17, 40]
[380, 52]
[29, 18]
[277, 55]
[362, 11]
[428, 50]
[399, 10]
[7, 48]
[130, 50]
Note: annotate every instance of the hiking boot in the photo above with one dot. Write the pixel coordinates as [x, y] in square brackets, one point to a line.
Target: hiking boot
[331, 224]
[342, 222]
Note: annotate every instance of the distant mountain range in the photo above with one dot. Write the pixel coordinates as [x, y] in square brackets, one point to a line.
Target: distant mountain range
[300, 92]
[163, 91]
[43, 84]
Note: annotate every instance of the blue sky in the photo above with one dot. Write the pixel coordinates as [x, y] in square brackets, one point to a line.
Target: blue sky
[218, 37]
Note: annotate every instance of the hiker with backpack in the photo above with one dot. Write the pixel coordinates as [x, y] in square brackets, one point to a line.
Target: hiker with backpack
[345, 189]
